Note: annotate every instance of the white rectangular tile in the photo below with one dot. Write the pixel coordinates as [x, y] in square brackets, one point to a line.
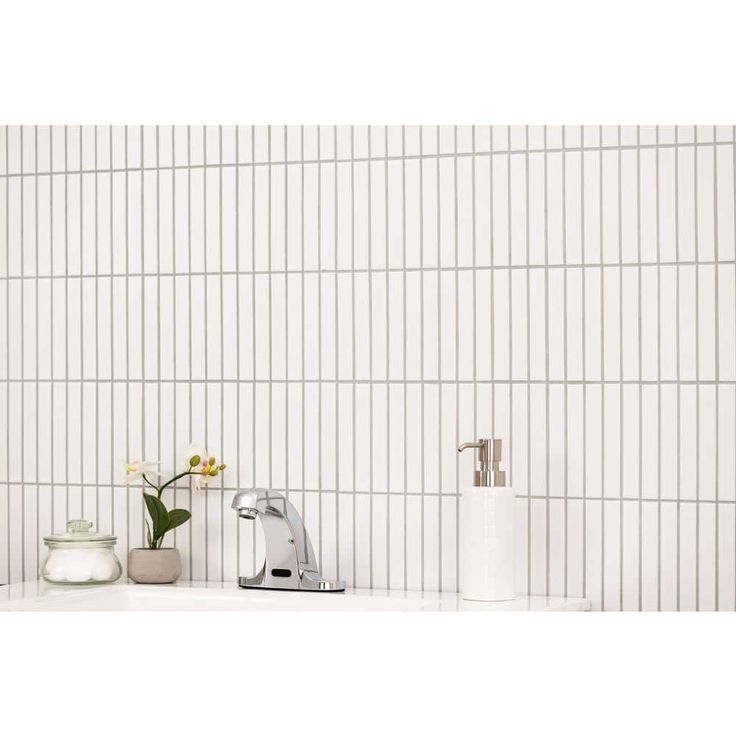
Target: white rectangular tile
[650, 441]
[558, 516]
[651, 322]
[705, 185]
[651, 535]
[726, 579]
[708, 570]
[669, 546]
[555, 315]
[707, 429]
[630, 556]
[688, 558]
[726, 434]
[667, 165]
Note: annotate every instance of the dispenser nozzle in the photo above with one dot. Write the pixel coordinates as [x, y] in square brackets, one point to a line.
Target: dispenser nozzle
[489, 462]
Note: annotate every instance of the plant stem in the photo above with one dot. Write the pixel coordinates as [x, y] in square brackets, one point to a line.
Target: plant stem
[174, 479]
[149, 483]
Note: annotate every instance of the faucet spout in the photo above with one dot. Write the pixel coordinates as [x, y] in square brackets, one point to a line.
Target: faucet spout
[290, 562]
[245, 503]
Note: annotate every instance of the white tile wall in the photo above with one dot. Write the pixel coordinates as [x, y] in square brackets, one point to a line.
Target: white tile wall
[333, 309]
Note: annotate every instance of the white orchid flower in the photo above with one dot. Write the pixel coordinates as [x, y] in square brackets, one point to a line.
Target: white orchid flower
[196, 453]
[200, 480]
[202, 466]
[135, 469]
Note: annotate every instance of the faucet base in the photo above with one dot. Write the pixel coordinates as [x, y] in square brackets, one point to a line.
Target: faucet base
[313, 584]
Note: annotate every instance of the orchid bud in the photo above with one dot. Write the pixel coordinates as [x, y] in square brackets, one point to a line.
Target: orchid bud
[194, 460]
[222, 467]
[214, 472]
[211, 461]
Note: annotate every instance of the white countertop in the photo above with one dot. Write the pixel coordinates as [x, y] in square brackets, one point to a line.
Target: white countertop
[186, 595]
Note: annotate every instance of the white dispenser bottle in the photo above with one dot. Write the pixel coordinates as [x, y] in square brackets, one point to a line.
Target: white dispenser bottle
[487, 523]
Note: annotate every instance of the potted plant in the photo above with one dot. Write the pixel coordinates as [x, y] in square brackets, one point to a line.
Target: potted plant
[155, 563]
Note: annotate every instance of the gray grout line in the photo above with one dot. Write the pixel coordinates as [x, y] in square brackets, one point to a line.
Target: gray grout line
[403, 294]
[127, 345]
[677, 370]
[319, 350]
[205, 361]
[190, 344]
[566, 450]
[7, 356]
[583, 332]
[422, 392]
[659, 380]
[221, 448]
[97, 341]
[603, 372]
[158, 303]
[439, 365]
[717, 376]
[302, 351]
[238, 397]
[546, 358]
[393, 269]
[418, 493]
[36, 347]
[287, 397]
[733, 164]
[22, 373]
[370, 363]
[388, 352]
[254, 456]
[398, 381]
[457, 366]
[174, 312]
[337, 371]
[492, 294]
[143, 337]
[368, 159]
[697, 376]
[7, 360]
[639, 366]
[474, 240]
[352, 348]
[621, 388]
[269, 227]
[81, 309]
[66, 314]
[112, 341]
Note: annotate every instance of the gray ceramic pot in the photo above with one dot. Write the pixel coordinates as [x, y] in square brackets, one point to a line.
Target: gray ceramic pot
[154, 565]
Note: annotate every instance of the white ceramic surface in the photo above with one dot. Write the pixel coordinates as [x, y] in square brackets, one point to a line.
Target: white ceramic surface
[487, 543]
[38, 595]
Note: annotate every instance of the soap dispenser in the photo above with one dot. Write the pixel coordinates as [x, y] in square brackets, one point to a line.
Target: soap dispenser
[487, 539]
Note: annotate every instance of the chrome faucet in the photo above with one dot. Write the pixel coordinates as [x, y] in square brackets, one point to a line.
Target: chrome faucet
[290, 563]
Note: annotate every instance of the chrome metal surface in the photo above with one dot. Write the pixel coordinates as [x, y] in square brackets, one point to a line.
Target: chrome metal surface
[488, 472]
[290, 562]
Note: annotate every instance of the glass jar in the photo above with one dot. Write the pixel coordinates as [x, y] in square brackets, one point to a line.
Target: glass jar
[81, 557]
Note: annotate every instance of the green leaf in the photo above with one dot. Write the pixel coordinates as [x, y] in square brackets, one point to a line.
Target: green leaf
[159, 515]
[177, 517]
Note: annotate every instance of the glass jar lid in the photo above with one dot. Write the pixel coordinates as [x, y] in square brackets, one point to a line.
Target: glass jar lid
[78, 532]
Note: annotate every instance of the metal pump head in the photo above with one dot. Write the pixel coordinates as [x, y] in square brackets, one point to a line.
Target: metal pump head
[488, 472]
